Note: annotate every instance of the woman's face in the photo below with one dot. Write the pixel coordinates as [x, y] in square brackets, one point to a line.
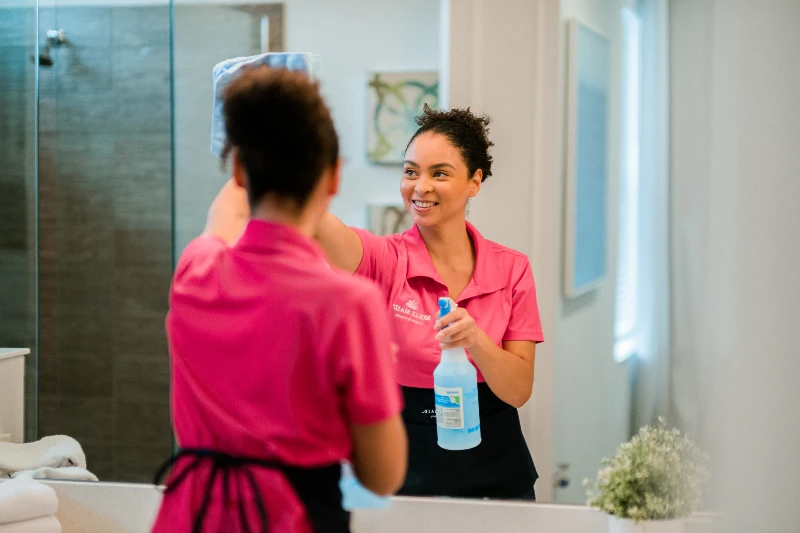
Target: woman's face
[436, 185]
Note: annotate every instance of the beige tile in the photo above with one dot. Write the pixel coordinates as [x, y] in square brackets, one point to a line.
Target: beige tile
[140, 26]
[100, 460]
[86, 331]
[145, 380]
[80, 68]
[145, 66]
[140, 337]
[87, 376]
[142, 292]
[85, 25]
[85, 289]
[138, 464]
[143, 248]
[87, 420]
[142, 423]
[49, 413]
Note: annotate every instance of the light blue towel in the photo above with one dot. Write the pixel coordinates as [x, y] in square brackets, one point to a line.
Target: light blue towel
[226, 71]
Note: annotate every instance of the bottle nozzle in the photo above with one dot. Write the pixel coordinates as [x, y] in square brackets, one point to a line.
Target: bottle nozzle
[446, 305]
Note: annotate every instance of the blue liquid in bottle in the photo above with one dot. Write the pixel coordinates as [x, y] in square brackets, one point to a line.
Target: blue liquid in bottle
[455, 384]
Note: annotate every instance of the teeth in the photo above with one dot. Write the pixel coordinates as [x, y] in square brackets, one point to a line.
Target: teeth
[424, 204]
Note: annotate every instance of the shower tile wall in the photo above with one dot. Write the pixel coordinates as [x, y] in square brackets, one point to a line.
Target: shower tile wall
[17, 164]
[106, 237]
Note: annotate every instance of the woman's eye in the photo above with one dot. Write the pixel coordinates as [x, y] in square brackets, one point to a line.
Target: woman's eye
[409, 172]
[439, 174]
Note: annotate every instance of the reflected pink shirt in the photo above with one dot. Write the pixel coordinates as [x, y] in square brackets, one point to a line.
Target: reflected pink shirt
[274, 354]
[500, 297]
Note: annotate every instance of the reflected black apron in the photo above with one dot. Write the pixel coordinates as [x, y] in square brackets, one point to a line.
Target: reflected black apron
[499, 467]
[317, 488]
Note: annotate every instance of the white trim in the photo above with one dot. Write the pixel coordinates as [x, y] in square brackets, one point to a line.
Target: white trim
[8, 353]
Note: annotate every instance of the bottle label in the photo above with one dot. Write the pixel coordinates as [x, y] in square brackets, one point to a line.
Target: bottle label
[449, 407]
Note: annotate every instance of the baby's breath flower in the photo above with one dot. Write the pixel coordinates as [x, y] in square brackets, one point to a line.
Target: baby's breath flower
[658, 475]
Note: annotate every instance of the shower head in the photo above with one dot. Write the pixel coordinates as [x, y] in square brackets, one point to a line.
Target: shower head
[55, 38]
[45, 60]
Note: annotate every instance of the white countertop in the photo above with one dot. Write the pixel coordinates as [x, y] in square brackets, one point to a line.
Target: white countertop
[8, 353]
[86, 507]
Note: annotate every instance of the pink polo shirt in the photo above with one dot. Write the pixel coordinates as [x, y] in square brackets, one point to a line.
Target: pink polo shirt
[501, 296]
[274, 355]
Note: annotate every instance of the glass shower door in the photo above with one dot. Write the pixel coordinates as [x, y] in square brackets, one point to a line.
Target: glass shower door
[105, 232]
[18, 189]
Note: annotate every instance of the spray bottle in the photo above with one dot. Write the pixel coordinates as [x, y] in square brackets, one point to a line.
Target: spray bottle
[455, 384]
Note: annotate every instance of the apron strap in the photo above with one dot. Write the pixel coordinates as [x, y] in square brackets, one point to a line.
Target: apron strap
[317, 488]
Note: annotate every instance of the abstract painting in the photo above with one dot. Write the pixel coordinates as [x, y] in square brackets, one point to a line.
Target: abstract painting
[394, 99]
[388, 219]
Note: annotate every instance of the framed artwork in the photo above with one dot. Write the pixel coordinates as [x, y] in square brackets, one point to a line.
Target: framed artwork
[388, 219]
[585, 217]
[394, 99]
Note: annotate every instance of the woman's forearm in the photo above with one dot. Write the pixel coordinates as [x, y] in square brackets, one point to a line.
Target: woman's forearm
[229, 213]
[341, 244]
[509, 375]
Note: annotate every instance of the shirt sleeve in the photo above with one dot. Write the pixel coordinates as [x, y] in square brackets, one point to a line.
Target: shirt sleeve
[365, 371]
[198, 259]
[379, 261]
[524, 324]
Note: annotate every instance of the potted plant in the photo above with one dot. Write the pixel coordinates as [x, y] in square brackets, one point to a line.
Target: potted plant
[652, 484]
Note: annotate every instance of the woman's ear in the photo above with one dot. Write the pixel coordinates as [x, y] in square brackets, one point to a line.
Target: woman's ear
[238, 172]
[335, 178]
[475, 183]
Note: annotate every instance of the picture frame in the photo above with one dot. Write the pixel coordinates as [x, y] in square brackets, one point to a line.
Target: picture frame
[586, 180]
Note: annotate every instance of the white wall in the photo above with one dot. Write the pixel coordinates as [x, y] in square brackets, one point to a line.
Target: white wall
[502, 60]
[735, 161]
[505, 59]
[592, 391]
[353, 37]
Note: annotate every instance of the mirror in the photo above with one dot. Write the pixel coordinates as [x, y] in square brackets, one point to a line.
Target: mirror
[124, 177]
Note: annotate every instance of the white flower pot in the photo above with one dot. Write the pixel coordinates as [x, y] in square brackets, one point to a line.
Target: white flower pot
[624, 525]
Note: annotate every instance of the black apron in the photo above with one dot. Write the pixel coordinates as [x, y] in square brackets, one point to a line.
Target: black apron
[317, 488]
[499, 467]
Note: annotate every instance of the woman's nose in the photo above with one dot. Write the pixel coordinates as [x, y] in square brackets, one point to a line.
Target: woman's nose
[423, 185]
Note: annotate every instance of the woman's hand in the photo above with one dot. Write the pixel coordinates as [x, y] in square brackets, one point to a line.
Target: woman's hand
[457, 330]
[508, 370]
[229, 213]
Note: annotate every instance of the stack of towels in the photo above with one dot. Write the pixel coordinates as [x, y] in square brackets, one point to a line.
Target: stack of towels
[27, 506]
[54, 457]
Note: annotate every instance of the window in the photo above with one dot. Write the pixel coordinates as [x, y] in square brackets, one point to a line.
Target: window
[627, 312]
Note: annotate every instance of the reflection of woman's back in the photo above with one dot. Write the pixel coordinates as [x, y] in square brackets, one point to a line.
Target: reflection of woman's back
[278, 361]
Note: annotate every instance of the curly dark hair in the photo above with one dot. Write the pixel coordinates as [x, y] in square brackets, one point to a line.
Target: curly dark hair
[465, 130]
[280, 124]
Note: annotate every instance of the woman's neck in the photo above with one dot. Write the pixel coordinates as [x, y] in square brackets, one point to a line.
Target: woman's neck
[301, 220]
[448, 243]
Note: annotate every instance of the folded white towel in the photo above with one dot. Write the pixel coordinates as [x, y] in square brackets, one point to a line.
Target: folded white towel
[68, 473]
[56, 451]
[26, 499]
[47, 524]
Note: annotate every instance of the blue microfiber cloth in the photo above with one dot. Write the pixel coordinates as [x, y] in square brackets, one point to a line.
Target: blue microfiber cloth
[226, 71]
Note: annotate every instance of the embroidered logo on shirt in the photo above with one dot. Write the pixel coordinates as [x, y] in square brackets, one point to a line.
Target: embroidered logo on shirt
[409, 312]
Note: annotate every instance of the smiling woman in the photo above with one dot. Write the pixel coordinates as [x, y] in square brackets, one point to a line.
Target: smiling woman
[497, 321]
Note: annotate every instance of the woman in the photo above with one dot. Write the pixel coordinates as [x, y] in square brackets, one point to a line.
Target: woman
[281, 367]
[497, 320]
